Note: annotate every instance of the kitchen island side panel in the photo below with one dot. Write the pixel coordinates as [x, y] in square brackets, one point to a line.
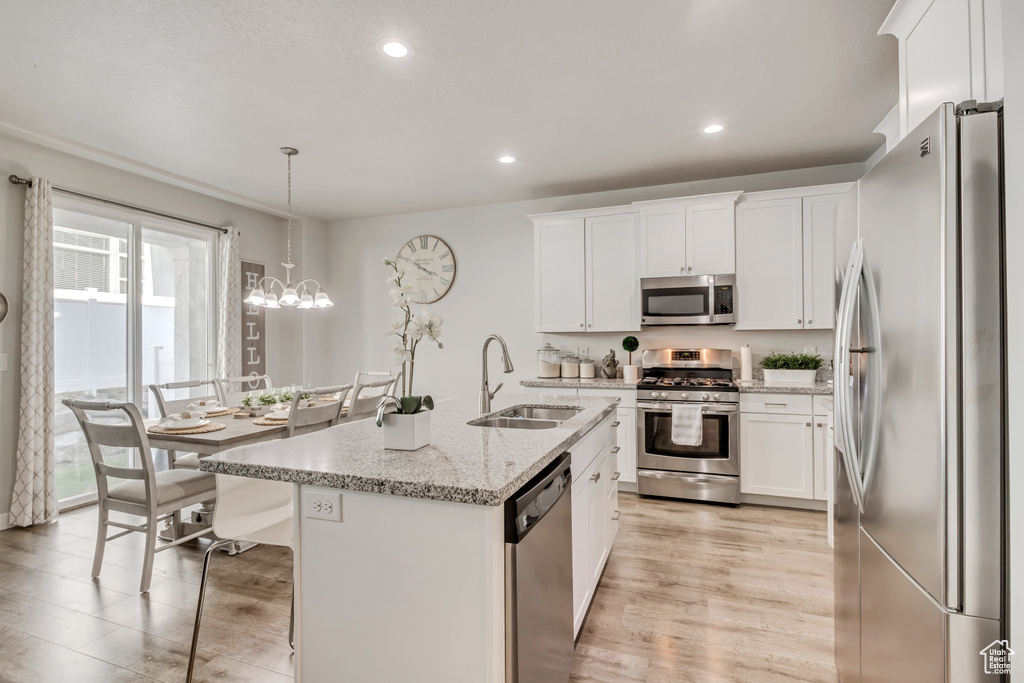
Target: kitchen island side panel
[402, 589]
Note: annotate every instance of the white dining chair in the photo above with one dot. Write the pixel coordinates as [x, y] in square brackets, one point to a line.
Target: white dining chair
[253, 510]
[156, 496]
[319, 415]
[164, 395]
[368, 387]
[231, 390]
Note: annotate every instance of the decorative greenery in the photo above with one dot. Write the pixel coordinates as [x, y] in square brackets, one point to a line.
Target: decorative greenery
[407, 405]
[791, 361]
[410, 329]
[247, 401]
[630, 344]
[306, 397]
[285, 397]
[267, 399]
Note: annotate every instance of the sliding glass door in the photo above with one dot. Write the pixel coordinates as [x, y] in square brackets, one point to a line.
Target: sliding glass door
[134, 305]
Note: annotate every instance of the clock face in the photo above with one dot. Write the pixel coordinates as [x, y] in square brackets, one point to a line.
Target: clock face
[429, 267]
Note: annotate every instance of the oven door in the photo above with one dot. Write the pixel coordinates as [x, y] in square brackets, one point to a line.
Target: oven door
[718, 452]
[677, 300]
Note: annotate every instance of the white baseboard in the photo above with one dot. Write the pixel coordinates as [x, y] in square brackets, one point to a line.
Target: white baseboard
[5, 521]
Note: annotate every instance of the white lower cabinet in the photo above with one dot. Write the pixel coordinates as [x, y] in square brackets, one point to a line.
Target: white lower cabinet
[776, 457]
[594, 514]
[785, 446]
[625, 457]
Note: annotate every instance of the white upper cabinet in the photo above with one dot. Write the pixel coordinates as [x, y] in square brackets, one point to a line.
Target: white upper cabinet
[819, 232]
[769, 265]
[559, 274]
[785, 259]
[585, 274]
[613, 288]
[688, 236]
[949, 51]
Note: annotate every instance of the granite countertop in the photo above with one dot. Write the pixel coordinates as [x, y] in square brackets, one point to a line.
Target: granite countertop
[759, 387]
[462, 464]
[574, 383]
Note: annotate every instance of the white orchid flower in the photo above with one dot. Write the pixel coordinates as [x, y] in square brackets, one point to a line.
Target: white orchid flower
[395, 277]
[396, 328]
[402, 354]
[400, 297]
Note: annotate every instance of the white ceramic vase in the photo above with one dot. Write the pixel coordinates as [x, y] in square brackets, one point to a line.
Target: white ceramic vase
[406, 432]
[794, 377]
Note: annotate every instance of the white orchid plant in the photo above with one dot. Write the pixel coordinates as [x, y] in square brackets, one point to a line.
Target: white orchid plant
[410, 329]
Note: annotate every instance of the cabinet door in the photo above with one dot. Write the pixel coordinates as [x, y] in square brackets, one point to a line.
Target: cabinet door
[777, 457]
[769, 265]
[611, 508]
[626, 442]
[559, 275]
[662, 241]
[613, 286]
[711, 239]
[819, 216]
[821, 457]
[599, 481]
[582, 588]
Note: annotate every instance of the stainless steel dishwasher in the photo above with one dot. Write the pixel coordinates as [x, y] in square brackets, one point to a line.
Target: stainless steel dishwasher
[538, 578]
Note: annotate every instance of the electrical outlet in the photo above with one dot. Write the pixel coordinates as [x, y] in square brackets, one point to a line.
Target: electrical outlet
[322, 505]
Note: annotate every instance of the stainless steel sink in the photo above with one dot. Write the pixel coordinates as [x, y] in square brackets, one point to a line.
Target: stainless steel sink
[533, 412]
[515, 423]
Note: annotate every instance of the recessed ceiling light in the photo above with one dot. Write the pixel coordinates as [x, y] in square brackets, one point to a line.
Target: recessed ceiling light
[394, 48]
[715, 128]
[507, 159]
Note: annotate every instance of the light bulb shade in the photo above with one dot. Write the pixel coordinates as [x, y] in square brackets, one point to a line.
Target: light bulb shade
[289, 297]
[271, 300]
[322, 300]
[306, 300]
[256, 297]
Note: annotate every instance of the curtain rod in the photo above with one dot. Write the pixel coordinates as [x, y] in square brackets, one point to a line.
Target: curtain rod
[15, 180]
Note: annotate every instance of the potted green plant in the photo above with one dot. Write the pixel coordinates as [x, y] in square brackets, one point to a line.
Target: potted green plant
[790, 368]
[630, 372]
[407, 426]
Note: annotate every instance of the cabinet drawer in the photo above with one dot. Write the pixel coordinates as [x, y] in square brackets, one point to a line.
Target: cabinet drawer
[778, 404]
[584, 451]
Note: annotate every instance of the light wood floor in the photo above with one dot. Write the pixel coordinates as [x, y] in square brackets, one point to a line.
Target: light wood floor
[691, 593]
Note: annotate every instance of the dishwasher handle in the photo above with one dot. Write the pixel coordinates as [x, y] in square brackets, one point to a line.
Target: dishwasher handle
[527, 507]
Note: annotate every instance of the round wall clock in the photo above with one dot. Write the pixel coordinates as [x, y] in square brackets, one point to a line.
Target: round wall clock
[429, 267]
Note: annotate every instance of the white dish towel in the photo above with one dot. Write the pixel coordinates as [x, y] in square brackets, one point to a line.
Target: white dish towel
[687, 425]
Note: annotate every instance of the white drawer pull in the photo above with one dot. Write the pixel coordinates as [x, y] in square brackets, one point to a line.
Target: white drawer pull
[615, 477]
[595, 476]
[615, 517]
[616, 424]
[616, 449]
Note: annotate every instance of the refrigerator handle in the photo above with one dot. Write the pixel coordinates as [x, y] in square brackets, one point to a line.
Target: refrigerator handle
[872, 407]
[841, 384]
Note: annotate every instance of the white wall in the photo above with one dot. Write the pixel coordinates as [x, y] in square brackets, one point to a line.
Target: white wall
[262, 241]
[1013, 121]
[493, 289]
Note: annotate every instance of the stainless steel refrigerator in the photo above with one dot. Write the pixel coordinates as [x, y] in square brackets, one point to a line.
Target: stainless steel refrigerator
[920, 407]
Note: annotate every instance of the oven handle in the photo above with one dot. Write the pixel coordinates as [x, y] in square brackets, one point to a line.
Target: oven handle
[708, 409]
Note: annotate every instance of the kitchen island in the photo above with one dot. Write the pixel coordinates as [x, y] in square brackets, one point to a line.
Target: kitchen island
[410, 584]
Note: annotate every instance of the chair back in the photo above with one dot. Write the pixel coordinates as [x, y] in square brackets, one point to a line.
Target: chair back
[163, 393]
[120, 434]
[231, 390]
[326, 413]
[368, 388]
[255, 510]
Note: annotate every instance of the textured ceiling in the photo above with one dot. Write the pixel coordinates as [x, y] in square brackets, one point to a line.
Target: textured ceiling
[590, 94]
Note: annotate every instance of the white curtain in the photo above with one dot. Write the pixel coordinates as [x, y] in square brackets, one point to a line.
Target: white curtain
[35, 490]
[229, 306]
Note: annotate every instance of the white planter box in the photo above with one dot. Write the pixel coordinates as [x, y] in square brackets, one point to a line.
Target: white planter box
[801, 377]
[406, 432]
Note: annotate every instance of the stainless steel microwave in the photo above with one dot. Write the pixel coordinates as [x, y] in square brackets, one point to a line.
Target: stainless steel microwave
[688, 300]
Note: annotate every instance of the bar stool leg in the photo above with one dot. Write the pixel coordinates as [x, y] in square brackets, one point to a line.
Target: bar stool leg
[199, 606]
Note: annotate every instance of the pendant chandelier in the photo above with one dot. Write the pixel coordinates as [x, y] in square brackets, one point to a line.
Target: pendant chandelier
[296, 294]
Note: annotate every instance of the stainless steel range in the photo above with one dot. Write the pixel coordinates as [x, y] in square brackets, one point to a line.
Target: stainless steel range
[709, 471]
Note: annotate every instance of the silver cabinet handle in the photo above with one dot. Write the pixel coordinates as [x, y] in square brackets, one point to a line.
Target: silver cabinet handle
[808, 424]
[590, 324]
[616, 450]
[821, 424]
[615, 517]
[689, 267]
[581, 324]
[799, 320]
[595, 476]
[616, 424]
[809, 321]
[682, 269]
[615, 477]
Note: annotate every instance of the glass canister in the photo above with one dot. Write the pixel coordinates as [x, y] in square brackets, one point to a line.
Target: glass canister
[587, 368]
[570, 365]
[548, 362]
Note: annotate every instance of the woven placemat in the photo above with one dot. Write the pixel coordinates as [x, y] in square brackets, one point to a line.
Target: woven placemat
[269, 422]
[201, 429]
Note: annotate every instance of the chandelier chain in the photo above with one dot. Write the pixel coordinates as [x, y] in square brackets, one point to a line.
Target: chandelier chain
[289, 208]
